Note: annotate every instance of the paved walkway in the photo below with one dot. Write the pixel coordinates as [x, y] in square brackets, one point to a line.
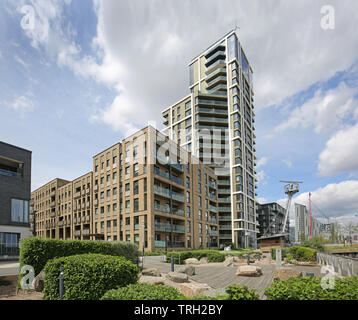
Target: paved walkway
[8, 268]
[217, 276]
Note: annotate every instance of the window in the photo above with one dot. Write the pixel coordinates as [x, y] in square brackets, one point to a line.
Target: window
[114, 160]
[188, 196]
[135, 187]
[187, 182]
[19, 211]
[188, 211]
[136, 169]
[187, 105]
[136, 205]
[135, 153]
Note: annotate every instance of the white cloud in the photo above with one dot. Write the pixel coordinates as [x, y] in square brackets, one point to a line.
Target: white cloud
[261, 162]
[327, 111]
[261, 200]
[142, 49]
[22, 104]
[287, 162]
[22, 62]
[340, 153]
[334, 200]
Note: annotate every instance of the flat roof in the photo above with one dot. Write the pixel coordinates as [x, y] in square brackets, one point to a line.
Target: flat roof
[274, 236]
[11, 145]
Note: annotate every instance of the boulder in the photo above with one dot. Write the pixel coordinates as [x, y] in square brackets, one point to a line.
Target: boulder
[187, 269]
[285, 274]
[193, 289]
[153, 272]
[249, 271]
[39, 281]
[192, 261]
[203, 260]
[228, 261]
[177, 277]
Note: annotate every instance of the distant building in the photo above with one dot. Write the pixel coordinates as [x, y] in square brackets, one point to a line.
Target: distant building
[271, 218]
[15, 191]
[303, 224]
[292, 234]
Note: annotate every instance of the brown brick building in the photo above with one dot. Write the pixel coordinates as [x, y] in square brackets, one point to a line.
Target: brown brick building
[145, 189]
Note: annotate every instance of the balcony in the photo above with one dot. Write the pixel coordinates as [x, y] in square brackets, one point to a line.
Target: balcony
[215, 65]
[225, 236]
[224, 218]
[212, 185]
[211, 119]
[225, 200]
[213, 220]
[213, 209]
[218, 80]
[168, 176]
[212, 196]
[52, 203]
[85, 232]
[77, 233]
[166, 227]
[77, 194]
[224, 209]
[95, 202]
[225, 227]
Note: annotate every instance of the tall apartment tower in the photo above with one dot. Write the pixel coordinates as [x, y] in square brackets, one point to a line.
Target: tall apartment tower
[216, 123]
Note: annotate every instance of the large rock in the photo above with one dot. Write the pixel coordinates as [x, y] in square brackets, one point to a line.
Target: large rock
[39, 281]
[285, 274]
[187, 269]
[203, 260]
[192, 261]
[177, 277]
[249, 271]
[153, 272]
[193, 289]
[229, 261]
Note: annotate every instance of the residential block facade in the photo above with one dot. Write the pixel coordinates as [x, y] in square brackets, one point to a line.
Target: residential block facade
[145, 189]
[215, 122]
[271, 218]
[15, 190]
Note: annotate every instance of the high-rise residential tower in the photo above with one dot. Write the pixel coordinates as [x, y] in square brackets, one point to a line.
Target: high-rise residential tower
[216, 123]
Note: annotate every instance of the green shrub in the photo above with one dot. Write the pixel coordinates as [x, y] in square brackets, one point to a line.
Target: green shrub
[215, 257]
[36, 252]
[297, 253]
[316, 243]
[144, 291]
[309, 288]
[87, 276]
[237, 292]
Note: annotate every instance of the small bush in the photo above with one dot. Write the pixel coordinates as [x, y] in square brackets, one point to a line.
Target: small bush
[36, 252]
[144, 291]
[215, 257]
[297, 253]
[88, 276]
[237, 292]
[309, 288]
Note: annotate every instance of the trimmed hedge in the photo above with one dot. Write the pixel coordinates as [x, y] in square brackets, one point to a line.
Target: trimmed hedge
[297, 253]
[309, 288]
[88, 276]
[36, 252]
[237, 292]
[212, 255]
[144, 291]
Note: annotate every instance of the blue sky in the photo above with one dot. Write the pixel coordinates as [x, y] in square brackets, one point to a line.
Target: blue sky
[90, 72]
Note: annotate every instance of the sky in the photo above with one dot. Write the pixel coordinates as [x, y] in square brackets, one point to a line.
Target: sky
[78, 76]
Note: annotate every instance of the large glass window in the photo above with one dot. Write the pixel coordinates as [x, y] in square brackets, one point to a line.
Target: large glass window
[232, 43]
[19, 211]
[191, 74]
[245, 65]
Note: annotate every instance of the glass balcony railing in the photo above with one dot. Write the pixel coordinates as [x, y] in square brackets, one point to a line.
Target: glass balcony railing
[166, 209]
[166, 227]
[213, 233]
[214, 56]
[212, 102]
[225, 200]
[224, 218]
[10, 173]
[225, 227]
[211, 110]
[225, 236]
[211, 119]
[224, 209]
[213, 209]
[212, 67]
[177, 196]
[164, 244]
[216, 80]
[168, 176]
[161, 191]
[159, 244]
[212, 185]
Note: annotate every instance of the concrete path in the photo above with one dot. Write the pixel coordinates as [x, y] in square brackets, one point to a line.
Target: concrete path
[9, 268]
[217, 276]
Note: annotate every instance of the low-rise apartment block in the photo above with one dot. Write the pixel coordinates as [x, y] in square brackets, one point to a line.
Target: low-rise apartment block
[145, 189]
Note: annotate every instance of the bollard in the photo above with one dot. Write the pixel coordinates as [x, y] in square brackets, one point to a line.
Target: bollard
[61, 283]
[172, 263]
[248, 259]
